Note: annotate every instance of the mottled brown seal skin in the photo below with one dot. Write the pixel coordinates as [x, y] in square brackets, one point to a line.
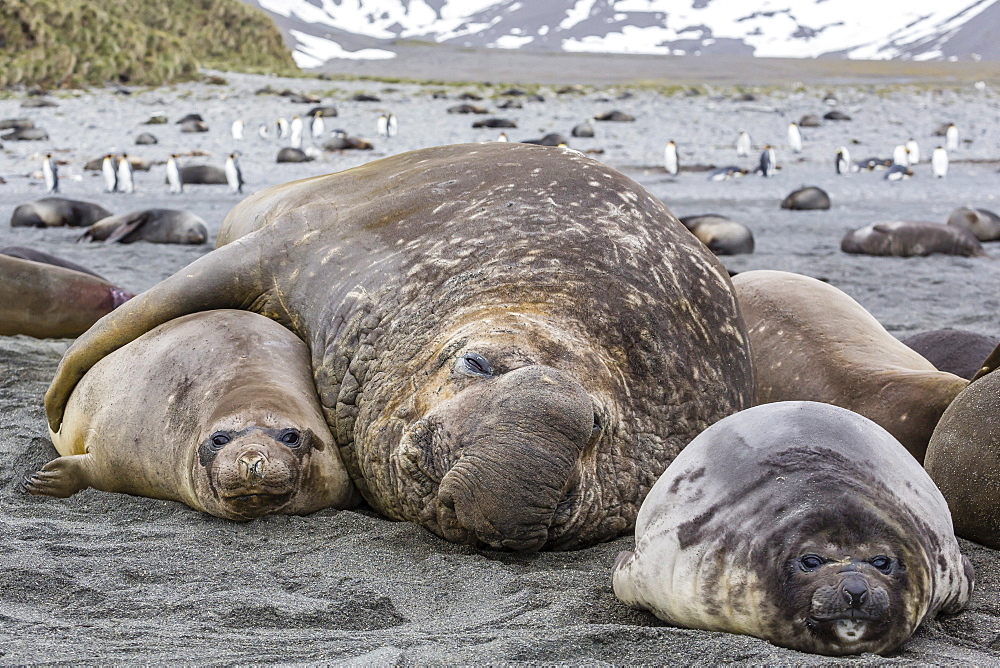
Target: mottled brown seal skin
[158, 226]
[801, 523]
[902, 238]
[48, 301]
[963, 458]
[510, 342]
[216, 410]
[812, 342]
[57, 212]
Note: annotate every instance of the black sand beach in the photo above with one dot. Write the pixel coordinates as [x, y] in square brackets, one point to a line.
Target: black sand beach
[103, 578]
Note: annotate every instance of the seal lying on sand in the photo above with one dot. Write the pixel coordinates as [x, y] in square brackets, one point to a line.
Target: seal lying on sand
[159, 226]
[810, 341]
[57, 212]
[801, 523]
[953, 350]
[510, 342]
[45, 300]
[215, 409]
[722, 235]
[904, 238]
[963, 458]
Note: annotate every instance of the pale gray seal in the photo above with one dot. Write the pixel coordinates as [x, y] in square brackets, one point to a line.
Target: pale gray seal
[809, 198]
[45, 300]
[904, 238]
[721, 235]
[953, 350]
[214, 409]
[963, 458]
[158, 226]
[811, 341]
[983, 223]
[510, 342]
[801, 523]
[57, 212]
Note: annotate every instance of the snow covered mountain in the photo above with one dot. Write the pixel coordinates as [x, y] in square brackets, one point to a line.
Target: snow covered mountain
[319, 30]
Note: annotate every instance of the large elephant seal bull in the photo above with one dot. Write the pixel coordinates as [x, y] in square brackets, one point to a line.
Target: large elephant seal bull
[801, 523]
[215, 409]
[510, 342]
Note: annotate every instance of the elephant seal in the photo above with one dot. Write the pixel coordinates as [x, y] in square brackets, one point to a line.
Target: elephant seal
[289, 154]
[456, 303]
[953, 350]
[203, 175]
[57, 212]
[981, 222]
[721, 235]
[810, 341]
[158, 226]
[44, 300]
[963, 458]
[45, 258]
[801, 523]
[807, 199]
[214, 409]
[903, 238]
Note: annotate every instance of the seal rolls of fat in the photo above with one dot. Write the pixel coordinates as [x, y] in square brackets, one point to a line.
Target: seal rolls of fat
[801, 523]
[214, 409]
[510, 342]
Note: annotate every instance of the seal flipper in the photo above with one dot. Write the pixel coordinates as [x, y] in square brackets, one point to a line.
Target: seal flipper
[229, 277]
[62, 477]
[132, 223]
[989, 365]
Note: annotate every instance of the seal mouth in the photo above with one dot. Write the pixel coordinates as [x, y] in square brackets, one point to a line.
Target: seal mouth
[846, 615]
[256, 504]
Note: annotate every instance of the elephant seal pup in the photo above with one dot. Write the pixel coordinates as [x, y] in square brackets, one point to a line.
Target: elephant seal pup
[963, 458]
[953, 350]
[57, 212]
[158, 226]
[903, 238]
[983, 223]
[812, 342]
[810, 198]
[215, 409]
[456, 303]
[801, 523]
[48, 301]
[721, 235]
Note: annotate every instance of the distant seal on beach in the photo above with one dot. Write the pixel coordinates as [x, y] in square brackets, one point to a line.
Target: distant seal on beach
[812, 342]
[953, 350]
[289, 154]
[57, 212]
[158, 226]
[810, 198]
[963, 458]
[202, 175]
[214, 409]
[506, 353]
[801, 523]
[26, 134]
[903, 238]
[615, 115]
[981, 222]
[45, 300]
[722, 235]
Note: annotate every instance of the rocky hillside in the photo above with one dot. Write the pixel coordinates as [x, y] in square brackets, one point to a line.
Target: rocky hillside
[53, 43]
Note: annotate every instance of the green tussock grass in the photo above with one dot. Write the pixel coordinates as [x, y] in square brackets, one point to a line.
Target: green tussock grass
[72, 43]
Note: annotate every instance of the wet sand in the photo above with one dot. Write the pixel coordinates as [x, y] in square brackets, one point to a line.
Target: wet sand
[102, 578]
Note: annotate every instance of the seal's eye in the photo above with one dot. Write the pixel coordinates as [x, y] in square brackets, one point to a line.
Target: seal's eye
[473, 364]
[219, 439]
[811, 562]
[291, 438]
[881, 562]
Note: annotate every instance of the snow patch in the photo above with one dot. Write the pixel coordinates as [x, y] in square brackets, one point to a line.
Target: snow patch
[313, 51]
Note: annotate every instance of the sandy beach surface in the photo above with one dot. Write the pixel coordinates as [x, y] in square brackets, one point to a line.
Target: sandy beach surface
[103, 578]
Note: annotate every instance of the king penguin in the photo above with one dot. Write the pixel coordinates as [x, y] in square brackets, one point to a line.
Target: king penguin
[174, 175]
[296, 131]
[794, 138]
[391, 126]
[125, 182]
[743, 144]
[263, 131]
[503, 137]
[670, 158]
[110, 173]
[283, 129]
[843, 160]
[768, 162]
[913, 151]
[951, 137]
[51, 173]
[237, 129]
[382, 126]
[233, 173]
[318, 126]
[900, 156]
[939, 162]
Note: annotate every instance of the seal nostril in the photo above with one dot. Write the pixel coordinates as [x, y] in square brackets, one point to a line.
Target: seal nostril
[855, 592]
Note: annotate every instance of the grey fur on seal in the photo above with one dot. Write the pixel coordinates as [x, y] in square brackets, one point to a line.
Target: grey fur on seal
[510, 342]
[811, 341]
[57, 212]
[904, 238]
[159, 226]
[981, 222]
[721, 235]
[953, 350]
[791, 522]
[810, 198]
[214, 409]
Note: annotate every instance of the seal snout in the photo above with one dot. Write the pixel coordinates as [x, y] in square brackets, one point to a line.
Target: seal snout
[251, 465]
[855, 591]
